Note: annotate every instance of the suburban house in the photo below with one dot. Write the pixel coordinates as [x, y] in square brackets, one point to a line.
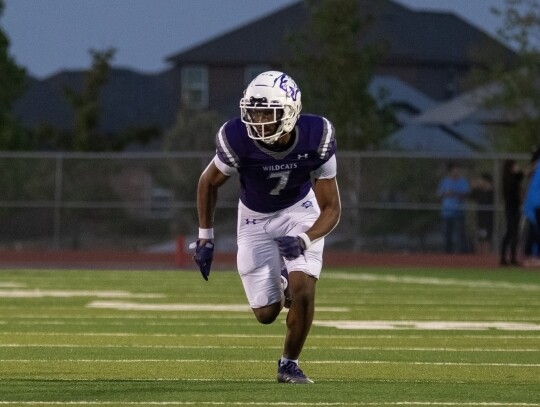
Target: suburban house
[430, 57]
[433, 52]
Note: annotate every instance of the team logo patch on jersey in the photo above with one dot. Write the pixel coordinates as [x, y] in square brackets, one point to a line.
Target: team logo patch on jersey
[251, 221]
[307, 204]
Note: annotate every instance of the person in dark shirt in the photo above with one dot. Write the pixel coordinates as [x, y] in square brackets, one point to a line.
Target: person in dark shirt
[289, 201]
[482, 194]
[512, 179]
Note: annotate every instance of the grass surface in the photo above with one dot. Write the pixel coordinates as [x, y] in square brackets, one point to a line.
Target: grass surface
[166, 338]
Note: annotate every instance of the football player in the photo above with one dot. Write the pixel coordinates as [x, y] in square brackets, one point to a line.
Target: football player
[289, 201]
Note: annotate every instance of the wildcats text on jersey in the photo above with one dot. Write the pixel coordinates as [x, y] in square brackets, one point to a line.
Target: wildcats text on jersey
[280, 167]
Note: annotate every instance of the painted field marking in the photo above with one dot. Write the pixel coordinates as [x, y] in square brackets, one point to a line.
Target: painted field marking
[127, 316]
[249, 336]
[314, 362]
[362, 348]
[430, 325]
[151, 335]
[391, 278]
[39, 293]
[9, 284]
[132, 306]
[86, 323]
[280, 403]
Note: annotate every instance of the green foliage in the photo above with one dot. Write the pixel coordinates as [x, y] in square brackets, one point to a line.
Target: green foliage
[12, 84]
[396, 183]
[334, 72]
[86, 103]
[520, 86]
[88, 109]
[193, 130]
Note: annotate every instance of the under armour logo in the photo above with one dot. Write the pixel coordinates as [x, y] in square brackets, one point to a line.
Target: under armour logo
[303, 156]
[307, 204]
[252, 221]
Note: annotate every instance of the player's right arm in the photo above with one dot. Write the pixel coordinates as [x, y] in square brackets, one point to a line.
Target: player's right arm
[207, 192]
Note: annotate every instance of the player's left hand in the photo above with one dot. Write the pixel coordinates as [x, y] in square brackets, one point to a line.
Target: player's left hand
[290, 247]
[204, 254]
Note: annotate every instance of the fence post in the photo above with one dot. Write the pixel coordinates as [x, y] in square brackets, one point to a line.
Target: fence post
[181, 258]
[57, 199]
[496, 236]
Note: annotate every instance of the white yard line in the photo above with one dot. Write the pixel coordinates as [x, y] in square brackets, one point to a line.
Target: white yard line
[279, 403]
[317, 362]
[429, 325]
[392, 278]
[129, 317]
[130, 323]
[361, 348]
[39, 293]
[9, 284]
[267, 336]
[132, 306]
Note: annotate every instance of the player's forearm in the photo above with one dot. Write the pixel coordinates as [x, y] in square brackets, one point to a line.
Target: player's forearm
[327, 221]
[207, 194]
[206, 204]
[327, 193]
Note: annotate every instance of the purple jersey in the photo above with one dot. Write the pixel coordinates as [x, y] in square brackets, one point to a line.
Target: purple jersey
[274, 180]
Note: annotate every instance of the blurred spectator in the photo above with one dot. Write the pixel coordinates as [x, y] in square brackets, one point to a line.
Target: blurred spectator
[531, 209]
[512, 196]
[482, 194]
[453, 189]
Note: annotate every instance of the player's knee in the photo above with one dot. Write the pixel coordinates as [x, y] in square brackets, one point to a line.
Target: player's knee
[267, 315]
[266, 319]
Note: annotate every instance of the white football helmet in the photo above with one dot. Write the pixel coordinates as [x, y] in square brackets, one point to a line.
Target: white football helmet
[270, 106]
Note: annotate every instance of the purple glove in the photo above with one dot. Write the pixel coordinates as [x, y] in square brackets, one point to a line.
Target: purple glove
[203, 257]
[290, 247]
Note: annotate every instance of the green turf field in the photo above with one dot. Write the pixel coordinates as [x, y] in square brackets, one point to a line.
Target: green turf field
[381, 337]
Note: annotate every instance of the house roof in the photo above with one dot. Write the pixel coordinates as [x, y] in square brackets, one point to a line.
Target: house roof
[462, 139]
[466, 108]
[128, 99]
[386, 88]
[260, 41]
[434, 37]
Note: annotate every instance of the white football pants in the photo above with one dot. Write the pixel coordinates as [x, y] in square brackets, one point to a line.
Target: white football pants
[258, 259]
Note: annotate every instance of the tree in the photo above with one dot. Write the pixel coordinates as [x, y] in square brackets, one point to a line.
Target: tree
[193, 130]
[88, 110]
[86, 104]
[335, 73]
[12, 83]
[519, 93]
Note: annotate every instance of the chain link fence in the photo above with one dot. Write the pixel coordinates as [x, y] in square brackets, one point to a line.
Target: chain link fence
[143, 201]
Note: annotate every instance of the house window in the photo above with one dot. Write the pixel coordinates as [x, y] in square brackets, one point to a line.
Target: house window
[252, 71]
[195, 87]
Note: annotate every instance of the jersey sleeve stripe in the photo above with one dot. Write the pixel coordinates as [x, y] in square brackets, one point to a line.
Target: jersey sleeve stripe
[326, 140]
[224, 168]
[224, 150]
